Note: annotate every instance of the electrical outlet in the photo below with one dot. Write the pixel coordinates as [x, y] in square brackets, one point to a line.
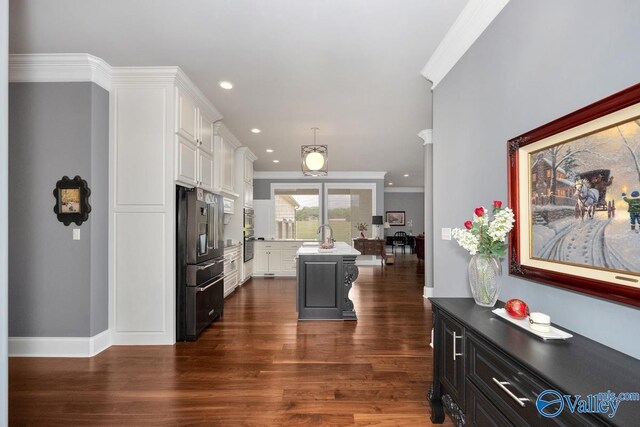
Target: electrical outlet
[76, 234]
[446, 234]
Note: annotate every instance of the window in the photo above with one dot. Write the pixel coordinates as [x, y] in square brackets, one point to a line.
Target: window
[297, 212]
[347, 205]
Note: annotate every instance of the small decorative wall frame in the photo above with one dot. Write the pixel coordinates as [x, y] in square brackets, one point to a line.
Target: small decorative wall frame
[72, 200]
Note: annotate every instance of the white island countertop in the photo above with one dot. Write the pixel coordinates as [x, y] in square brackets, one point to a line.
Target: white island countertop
[340, 248]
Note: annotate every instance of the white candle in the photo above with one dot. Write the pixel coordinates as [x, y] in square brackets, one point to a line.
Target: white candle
[539, 322]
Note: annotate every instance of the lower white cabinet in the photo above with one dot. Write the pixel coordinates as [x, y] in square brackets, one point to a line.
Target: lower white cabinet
[275, 258]
[232, 260]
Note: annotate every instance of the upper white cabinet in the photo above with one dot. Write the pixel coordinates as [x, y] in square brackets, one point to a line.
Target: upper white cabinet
[244, 183]
[195, 148]
[224, 149]
[188, 121]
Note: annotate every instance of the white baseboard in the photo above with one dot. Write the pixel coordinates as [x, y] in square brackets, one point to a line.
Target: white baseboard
[59, 346]
[427, 292]
[368, 260]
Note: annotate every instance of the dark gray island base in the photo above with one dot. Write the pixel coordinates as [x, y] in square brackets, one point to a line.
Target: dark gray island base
[324, 281]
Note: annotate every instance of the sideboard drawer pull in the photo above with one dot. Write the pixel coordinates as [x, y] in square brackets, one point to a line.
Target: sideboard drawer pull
[454, 345]
[519, 400]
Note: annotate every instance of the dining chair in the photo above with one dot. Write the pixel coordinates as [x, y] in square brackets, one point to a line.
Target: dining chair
[400, 240]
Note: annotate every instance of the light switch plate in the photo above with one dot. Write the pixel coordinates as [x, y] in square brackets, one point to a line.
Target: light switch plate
[446, 234]
[76, 234]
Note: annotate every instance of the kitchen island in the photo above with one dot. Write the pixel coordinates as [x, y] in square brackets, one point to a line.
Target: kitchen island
[324, 279]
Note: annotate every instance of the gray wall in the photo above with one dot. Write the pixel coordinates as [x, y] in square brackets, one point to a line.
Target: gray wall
[262, 188]
[57, 286]
[412, 204]
[536, 62]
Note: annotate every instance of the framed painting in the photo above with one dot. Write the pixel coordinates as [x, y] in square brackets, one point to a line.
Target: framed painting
[72, 200]
[395, 218]
[574, 186]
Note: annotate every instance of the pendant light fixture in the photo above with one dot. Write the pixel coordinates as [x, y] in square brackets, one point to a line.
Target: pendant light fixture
[315, 158]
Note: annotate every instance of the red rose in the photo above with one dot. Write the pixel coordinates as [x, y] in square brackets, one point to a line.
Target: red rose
[479, 211]
[497, 204]
[468, 225]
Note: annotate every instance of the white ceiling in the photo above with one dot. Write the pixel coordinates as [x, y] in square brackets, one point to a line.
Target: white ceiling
[349, 67]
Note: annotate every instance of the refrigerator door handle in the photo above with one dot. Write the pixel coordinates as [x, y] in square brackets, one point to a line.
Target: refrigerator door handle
[211, 264]
[210, 285]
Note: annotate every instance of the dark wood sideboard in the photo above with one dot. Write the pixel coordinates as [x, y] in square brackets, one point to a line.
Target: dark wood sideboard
[371, 247]
[489, 372]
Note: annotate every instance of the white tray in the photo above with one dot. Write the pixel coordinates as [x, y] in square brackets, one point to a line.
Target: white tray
[553, 334]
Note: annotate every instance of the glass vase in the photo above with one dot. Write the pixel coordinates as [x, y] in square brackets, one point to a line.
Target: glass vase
[484, 279]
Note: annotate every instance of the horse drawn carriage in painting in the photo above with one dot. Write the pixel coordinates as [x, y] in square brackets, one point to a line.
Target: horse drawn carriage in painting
[591, 193]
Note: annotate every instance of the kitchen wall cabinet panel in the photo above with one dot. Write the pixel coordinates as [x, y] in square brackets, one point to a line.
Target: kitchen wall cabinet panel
[187, 162]
[188, 120]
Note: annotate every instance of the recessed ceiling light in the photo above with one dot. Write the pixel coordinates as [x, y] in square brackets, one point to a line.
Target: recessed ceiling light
[256, 130]
[225, 85]
[276, 161]
[269, 150]
[391, 183]
[405, 175]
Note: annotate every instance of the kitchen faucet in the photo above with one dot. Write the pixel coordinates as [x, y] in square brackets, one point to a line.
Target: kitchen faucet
[326, 240]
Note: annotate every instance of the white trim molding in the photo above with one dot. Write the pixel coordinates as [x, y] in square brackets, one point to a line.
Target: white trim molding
[59, 346]
[60, 67]
[470, 24]
[404, 189]
[332, 175]
[427, 292]
[426, 135]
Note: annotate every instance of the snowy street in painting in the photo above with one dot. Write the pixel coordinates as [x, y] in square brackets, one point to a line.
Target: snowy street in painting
[597, 242]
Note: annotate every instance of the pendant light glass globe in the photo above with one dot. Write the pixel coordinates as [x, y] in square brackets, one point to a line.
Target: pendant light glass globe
[314, 161]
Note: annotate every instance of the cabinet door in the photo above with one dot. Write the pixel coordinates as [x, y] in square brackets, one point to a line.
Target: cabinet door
[228, 182]
[205, 170]
[188, 121]
[206, 135]
[186, 162]
[261, 261]
[248, 195]
[275, 260]
[248, 171]
[288, 260]
[452, 359]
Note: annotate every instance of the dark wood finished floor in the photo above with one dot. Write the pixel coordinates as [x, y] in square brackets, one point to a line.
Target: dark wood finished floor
[257, 366]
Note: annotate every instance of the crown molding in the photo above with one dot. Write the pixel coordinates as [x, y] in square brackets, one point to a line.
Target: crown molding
[404, 189]
[246, 151]
[331, 176]
[470, 24]
[60, 67]
[427, 136]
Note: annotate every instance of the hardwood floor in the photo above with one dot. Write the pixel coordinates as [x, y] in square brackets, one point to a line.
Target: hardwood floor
[257, 366]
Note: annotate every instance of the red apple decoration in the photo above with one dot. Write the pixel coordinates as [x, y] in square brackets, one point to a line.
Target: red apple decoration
[517, 308]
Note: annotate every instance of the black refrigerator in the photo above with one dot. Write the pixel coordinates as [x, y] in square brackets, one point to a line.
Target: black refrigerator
[199, 261]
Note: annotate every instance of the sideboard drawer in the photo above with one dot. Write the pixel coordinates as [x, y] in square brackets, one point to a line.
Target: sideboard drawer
[481, 412]
[506, 383]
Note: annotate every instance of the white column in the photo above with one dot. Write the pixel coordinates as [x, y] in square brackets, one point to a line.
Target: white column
[427, 138]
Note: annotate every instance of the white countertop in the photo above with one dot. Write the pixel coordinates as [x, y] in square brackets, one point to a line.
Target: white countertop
[340, 248]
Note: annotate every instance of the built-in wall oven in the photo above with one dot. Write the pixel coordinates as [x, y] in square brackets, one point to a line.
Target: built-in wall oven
[249, 238]
[199, 261]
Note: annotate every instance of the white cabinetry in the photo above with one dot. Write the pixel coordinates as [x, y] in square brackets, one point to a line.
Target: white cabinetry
[194, 142]
[232, 260]
[225, 145]
[155, 119]
[276, 258]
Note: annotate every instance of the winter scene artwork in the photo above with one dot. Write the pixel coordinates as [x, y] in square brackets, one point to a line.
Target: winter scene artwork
[585, 200]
